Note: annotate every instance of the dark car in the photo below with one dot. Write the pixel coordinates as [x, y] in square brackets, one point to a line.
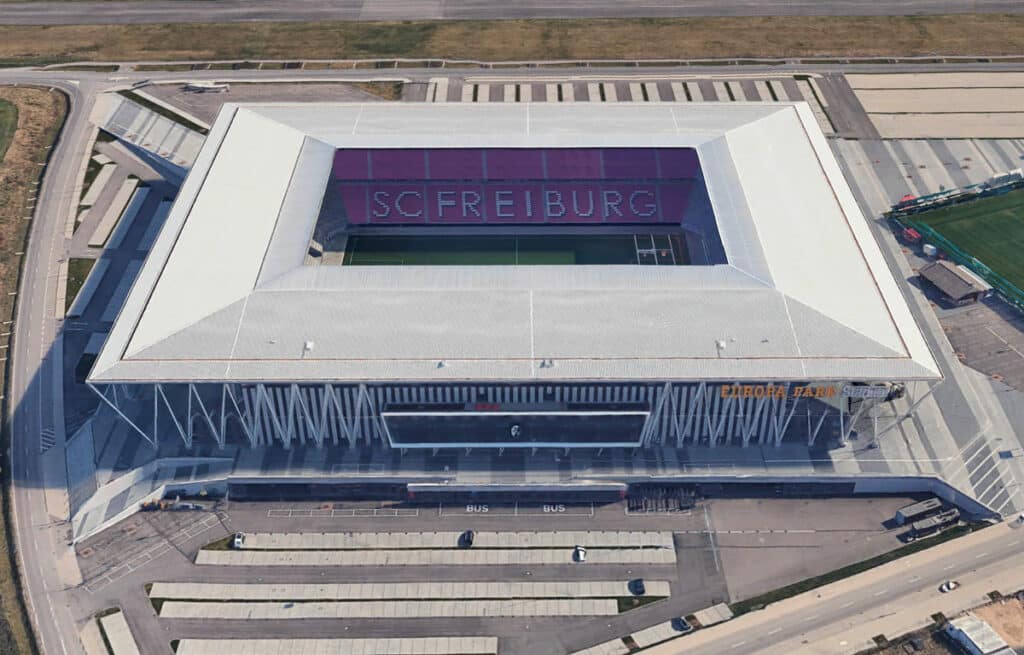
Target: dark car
[637, 587]
[681, 625]
[466, 539]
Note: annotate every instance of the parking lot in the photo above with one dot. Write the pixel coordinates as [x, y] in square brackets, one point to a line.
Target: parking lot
[344, 572]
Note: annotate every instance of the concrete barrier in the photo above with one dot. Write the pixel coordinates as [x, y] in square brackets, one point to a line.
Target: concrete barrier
[100, 181]
[209, 591]
[119, 635]
[451, 557]
[128, 218]
[390, 609]
[381, 646]
[114, 211]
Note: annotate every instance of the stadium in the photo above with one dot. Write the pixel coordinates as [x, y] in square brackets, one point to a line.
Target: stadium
[511, 276]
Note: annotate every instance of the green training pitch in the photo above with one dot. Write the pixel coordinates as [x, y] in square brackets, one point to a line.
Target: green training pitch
[990, 230]
[509, 250]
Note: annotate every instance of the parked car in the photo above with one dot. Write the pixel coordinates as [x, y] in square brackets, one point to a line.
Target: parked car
[239, 541]
[637, 587]
[949, 585]
[680, 624]
[579, 554]
[466, 539]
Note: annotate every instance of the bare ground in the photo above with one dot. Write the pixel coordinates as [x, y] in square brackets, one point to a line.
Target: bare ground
[1007, 618]
[789, 36]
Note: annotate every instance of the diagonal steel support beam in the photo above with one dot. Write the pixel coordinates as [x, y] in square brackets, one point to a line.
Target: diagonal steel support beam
[117, 410]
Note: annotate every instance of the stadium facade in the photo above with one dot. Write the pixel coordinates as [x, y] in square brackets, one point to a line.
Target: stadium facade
[511, 276]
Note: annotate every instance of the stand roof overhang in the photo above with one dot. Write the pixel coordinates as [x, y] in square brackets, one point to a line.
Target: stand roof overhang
[224, 296]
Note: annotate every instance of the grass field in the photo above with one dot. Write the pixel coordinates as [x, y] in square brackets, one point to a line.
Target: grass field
[990, 230]
[8, 123]
[663, 38]
[496, 250]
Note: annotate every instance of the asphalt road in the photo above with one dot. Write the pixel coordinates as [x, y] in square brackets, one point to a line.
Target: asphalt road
[36, 381]
[914, 588]
[193, 11]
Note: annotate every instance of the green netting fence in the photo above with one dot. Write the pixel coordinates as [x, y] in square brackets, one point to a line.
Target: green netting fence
[1013, 294]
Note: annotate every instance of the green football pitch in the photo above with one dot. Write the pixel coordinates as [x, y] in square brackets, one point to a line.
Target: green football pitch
[991, 230]
[484, 250]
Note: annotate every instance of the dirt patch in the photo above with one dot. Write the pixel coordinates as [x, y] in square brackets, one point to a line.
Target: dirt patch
[1007, 618]
[788, 36]
[40, 115]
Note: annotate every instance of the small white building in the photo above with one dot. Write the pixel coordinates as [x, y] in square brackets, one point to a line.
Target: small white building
[977, 636]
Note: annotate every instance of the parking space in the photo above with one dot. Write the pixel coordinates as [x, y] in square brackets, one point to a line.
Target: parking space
[355, 573]
[806, 538]
[482, 510]
[350, 512]
[442, 540]
[989, 337]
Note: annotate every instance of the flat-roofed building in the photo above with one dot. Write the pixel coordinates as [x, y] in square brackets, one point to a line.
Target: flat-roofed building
[955, 281]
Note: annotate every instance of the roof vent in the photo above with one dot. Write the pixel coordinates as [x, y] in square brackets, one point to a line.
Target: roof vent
[308, 346]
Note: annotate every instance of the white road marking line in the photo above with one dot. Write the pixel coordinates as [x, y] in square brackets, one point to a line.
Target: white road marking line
[879, 593]
[711, 539]
[845, 605]
[737, 644]
[947, 567]
[980, 555]
[775, 631]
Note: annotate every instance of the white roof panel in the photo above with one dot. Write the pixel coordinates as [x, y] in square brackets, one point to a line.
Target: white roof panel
[805, 294]
[220, 249]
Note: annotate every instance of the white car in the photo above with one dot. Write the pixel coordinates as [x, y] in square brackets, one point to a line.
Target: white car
[949, 585]
[239, 541]
[579, 554]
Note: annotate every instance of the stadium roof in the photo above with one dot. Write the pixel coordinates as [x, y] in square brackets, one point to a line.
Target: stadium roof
[224, 294]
